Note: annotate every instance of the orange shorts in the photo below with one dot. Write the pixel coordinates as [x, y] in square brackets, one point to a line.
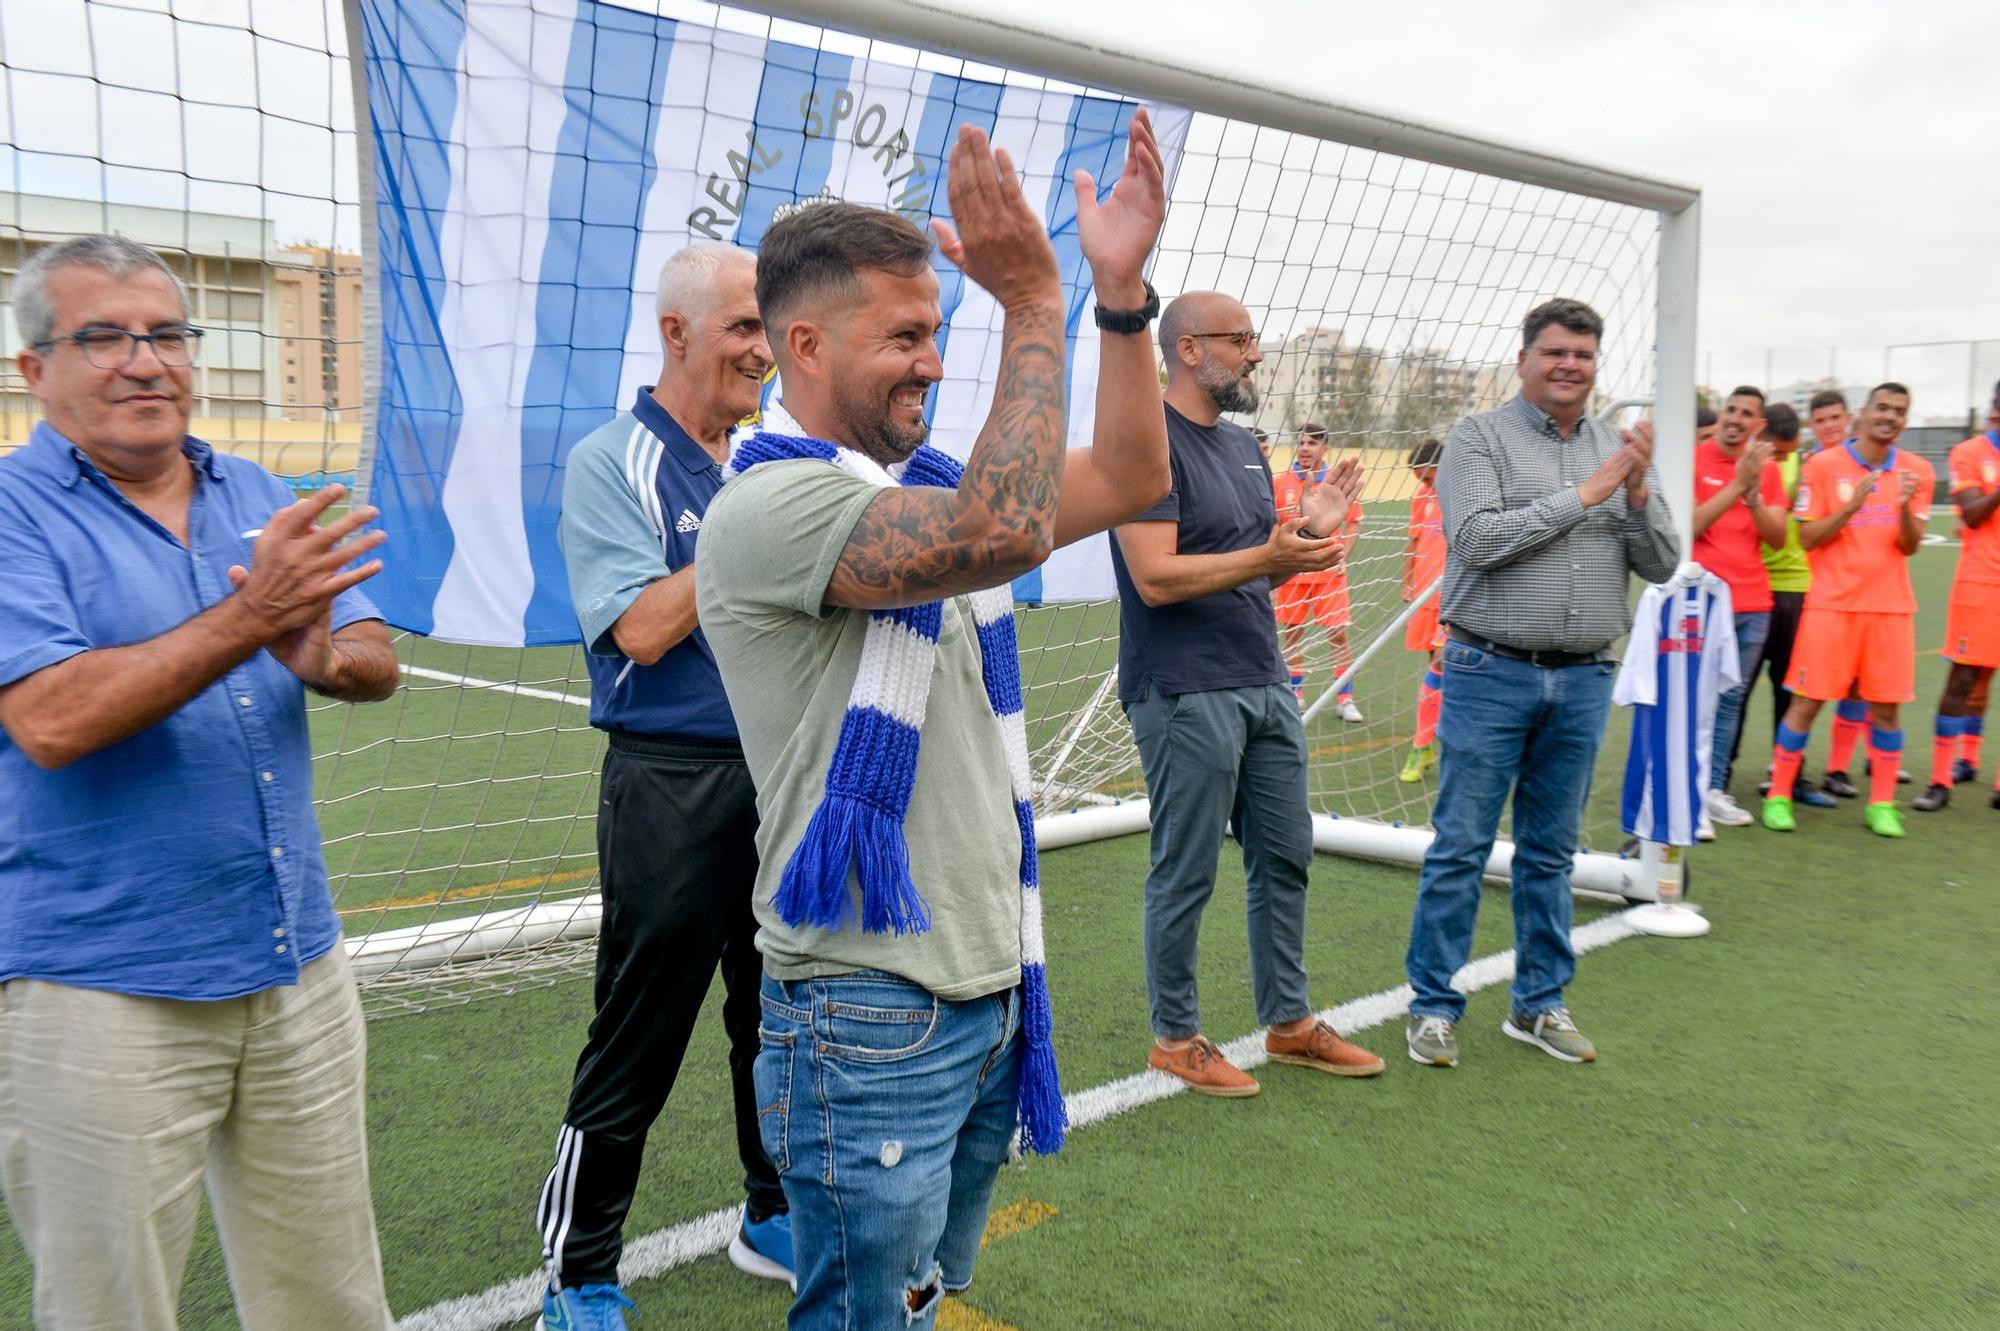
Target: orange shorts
[1972, 625]
[1308, 597]
[1838, 651]
[1422, 632]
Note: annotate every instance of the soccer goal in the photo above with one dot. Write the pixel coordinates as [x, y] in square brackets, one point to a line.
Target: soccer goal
[423, 235]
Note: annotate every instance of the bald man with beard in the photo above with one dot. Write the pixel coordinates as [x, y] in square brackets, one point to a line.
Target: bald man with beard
[1208, 693]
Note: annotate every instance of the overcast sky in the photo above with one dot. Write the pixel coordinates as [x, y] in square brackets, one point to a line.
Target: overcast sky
[1848, 153]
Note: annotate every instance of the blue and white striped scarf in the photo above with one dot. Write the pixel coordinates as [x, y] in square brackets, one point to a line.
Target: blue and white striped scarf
[859, 825]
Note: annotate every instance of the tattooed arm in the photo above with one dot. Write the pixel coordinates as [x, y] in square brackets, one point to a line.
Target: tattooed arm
[917, 544]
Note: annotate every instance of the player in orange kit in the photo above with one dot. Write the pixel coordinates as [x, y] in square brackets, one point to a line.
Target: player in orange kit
[1972, 623]
[1307, 598]
[1423, 564]
[1861, 510]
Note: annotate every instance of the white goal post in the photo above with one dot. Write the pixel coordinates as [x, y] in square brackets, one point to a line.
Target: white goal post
[1083, 58]
[1085, 767]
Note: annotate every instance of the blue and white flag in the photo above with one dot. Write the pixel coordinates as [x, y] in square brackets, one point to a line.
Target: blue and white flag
[536, 161]
[1679, 661]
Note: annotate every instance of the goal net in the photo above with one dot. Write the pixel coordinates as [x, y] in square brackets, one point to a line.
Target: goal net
[423, 234]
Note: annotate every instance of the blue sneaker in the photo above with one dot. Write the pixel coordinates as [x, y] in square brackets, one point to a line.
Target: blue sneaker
[764, 1248]
[1813, 797]
[584, 1308]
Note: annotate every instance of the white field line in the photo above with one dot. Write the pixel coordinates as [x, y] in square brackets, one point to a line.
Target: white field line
[467, 681]
[662, 1250]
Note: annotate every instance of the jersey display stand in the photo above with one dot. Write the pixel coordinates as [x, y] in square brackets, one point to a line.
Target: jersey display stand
[1679, 661]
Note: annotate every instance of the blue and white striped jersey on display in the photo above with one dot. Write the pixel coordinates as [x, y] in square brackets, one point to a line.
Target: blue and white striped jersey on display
[1679, 660]
[533, 166]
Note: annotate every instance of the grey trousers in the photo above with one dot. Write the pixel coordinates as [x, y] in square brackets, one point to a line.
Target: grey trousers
[1212, 758]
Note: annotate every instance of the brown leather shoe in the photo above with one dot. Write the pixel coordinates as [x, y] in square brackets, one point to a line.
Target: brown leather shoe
[1202, 1066]
[1321, 1047]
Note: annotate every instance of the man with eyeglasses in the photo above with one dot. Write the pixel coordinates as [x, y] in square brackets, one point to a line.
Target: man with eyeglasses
[1547, 515]
[1208, 693]
[175, 1003]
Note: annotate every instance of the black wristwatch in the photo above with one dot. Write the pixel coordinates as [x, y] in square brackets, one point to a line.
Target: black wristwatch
[1129, 321]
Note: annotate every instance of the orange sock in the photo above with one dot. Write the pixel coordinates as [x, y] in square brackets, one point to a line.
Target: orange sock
[1944, 749]
[1785, 765]
[1846, 735]
[1885, 756]
[1968, 747]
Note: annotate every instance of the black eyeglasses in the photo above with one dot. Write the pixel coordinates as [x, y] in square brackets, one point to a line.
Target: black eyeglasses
[1241, 341]
[114, 348]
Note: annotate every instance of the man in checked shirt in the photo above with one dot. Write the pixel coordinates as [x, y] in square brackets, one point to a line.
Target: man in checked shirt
[1547, 514]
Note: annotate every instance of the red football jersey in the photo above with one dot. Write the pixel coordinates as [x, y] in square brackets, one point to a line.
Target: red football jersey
[1731, 549]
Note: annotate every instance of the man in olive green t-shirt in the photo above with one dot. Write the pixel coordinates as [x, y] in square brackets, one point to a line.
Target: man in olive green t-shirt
[890, 1061]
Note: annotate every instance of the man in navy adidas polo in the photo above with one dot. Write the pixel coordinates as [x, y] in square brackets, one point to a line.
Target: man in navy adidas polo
[677, 819]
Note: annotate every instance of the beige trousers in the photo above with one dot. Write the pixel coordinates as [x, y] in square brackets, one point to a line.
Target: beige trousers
[113, 1112]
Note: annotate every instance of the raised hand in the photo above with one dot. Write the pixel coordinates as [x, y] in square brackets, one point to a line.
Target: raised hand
[1910, 485]
[296, 566]
[1118, 234]
[995, 237]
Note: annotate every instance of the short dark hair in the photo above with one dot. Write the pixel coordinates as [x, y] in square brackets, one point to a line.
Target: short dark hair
[1426, 453]
[1781, 421]
[1313, 430]
[1747, 390]
[1826, 397]
[1258, 434]
[823, 249]
[1703, 417]
[1571, 314]
[1886, 386]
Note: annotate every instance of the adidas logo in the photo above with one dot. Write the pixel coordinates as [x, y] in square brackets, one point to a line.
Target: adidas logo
[687, 522]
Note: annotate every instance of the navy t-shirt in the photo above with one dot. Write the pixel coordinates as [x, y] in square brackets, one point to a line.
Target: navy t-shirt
[1221, 498]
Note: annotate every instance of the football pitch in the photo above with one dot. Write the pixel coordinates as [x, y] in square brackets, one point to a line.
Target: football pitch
[1791, 1123]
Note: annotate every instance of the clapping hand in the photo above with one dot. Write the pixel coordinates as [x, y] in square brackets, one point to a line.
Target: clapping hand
[1750, 465]
[1325, 506]
[296, 569]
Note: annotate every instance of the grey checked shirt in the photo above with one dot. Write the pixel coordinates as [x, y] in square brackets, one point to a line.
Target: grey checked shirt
[1527, 564]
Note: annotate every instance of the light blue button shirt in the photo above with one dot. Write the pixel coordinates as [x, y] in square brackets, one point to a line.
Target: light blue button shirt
[183, 862]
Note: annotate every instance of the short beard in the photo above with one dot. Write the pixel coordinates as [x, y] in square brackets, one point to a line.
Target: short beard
[871, 428]
[1227, 389]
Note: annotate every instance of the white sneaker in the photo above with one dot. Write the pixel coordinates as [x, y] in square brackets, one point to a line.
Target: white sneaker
[1704, 830]
[1722, 808]
[1347, 711]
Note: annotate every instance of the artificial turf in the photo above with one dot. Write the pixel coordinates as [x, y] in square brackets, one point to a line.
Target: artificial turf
[1791, 1123]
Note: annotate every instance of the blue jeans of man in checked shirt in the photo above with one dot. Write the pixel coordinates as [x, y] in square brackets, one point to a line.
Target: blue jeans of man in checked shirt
[1507, 726]
[888, 1112]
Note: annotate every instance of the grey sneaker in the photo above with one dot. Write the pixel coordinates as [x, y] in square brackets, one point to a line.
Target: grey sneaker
[1552, 1032]
[1430, 1041]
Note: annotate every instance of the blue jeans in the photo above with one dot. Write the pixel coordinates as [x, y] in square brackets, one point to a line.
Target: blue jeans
[1506, 725]
[1751, 631]
[888, 1112]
